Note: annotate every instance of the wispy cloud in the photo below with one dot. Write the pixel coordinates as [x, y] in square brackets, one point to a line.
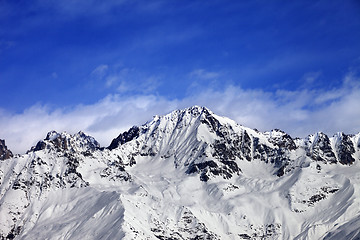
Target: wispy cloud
[104, 119]
[100, 71]
[118, 77]
[145, 86]
[125, 80]
[311, 77]
[299, 112]
[203, 74]
[204, 79]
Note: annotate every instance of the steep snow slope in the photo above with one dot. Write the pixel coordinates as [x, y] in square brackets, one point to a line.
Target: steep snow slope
[187, 175]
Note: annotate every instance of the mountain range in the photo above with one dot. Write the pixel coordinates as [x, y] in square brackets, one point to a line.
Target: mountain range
[190, 174]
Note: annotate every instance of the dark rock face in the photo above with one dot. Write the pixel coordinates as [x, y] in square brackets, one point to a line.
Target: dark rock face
[14, 232]
[345, 149]
[320, 149]
[268, 154]
[213, 124]
[246, 147]
[87, 142]
[230, 147]
[283, 140]
[115, 171]
[211, 168]
[63, 142]
[281, 171]
[58, 140]
[125, 137]
[5, 153]
[39, 146]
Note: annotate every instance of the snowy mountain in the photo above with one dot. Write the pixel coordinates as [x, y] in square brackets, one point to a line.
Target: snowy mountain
[187, 175]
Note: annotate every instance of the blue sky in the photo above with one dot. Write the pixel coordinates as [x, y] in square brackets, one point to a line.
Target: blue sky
[102, 66]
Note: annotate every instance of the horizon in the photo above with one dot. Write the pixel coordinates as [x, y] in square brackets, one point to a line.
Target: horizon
[102, 144]
[102, 67]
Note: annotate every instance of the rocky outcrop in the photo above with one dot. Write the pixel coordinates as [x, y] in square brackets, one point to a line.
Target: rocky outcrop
[281, 139]
[64, 142]
[124, 137]
[345, 149]
[5, 153]
[338, 149]
[319, 148]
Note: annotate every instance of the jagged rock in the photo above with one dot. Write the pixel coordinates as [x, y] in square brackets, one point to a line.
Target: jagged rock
[345, 149]
[64, 142]
[320, 149]
[212, 122]
[211, 168]
[5, 153]
[281, 139]
[124, 137]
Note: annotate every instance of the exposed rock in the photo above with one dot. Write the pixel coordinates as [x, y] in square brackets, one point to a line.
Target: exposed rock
[212, 122]
[64, 142]
[5, 153]
[282, 139]
[320, 149]
[125, 137]
[345, 149]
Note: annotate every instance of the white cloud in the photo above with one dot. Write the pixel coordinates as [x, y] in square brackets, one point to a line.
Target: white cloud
[126, 80]
[311, 77]
[203, 74]
[100, 71]
[145, 86]
[103, 120]
[299, 113]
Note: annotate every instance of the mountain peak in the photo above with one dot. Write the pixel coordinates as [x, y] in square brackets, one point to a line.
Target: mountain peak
[198, 110]
[174, 120]
[189, 174]
[216, 143]
[193, 111]
[79, 142]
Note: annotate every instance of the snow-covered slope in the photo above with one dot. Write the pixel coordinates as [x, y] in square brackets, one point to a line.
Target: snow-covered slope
[187, 175]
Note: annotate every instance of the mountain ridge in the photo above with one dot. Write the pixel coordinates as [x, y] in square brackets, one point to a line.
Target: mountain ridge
[180, 167]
